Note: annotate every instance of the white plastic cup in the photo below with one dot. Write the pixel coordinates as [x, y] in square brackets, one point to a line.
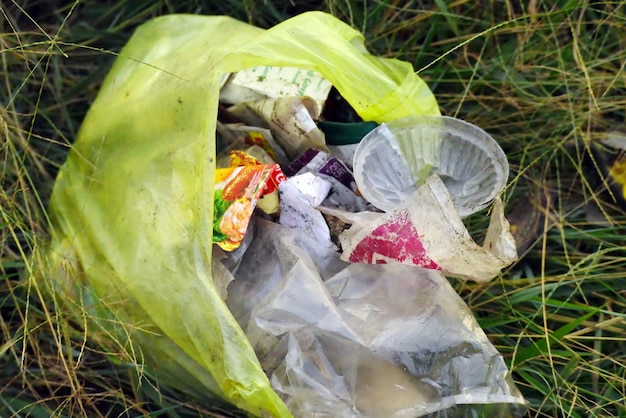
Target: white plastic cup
[397, 157]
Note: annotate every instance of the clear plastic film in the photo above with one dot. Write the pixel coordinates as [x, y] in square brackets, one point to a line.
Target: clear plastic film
[358, 340]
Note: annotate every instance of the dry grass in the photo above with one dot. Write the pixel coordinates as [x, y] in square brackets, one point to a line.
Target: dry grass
[545, 78]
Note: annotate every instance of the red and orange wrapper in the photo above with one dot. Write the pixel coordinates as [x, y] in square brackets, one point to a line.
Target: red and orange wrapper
[237, 192]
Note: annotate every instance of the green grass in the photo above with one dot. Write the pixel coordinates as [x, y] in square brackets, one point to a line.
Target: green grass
[546, 79]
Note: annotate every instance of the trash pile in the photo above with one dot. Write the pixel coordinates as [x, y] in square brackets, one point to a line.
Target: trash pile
[335, 234]
[268, 217]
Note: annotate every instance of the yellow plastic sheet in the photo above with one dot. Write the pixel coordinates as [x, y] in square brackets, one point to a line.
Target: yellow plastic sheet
[132, 206]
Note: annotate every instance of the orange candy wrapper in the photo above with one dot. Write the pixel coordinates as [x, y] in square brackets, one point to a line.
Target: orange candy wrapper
[237, 190]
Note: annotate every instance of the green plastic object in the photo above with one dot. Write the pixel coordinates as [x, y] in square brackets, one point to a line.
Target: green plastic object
[339, 133]
[132, 206]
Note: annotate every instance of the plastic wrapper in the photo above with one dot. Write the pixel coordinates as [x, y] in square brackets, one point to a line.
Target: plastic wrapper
[316, 161]
[240, 137]
[132, 207]
[357, 340]
[298, 197]
[343, 193]
[237, 191]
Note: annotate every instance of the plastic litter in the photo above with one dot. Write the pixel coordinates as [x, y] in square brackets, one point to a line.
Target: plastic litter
[289, 118]
[393, 160]
[236, 136]
[324, 164]
[426, 231]
[237, 191]
[355, 340]
[607, 166]
[299, 196]
[271, 319]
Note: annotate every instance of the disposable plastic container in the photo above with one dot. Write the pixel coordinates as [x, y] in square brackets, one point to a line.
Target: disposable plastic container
[394, 159]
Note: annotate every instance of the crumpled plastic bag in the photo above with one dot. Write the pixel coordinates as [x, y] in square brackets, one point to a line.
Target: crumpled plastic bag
[132, 207]
[348, 340]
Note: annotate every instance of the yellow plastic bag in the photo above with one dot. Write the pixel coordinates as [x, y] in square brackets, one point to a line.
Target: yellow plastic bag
[132, 207]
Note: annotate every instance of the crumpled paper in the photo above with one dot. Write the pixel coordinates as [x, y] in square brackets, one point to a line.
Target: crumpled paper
[289, 118]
